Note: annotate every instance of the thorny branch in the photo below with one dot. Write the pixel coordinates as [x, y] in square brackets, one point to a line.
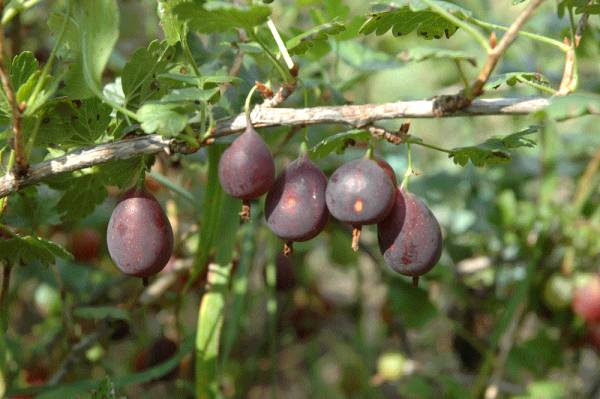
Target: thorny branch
[349, 115]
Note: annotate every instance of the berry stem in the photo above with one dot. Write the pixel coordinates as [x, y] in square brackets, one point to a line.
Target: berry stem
[245, 213]
[356, 237]
[409, 169]
[415, 281]
[247, 105]
[288, 248]
[303, 149]
[145, 282]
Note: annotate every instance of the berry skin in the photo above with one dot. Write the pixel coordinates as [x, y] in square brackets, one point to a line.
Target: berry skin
[295, 207]
[388, 169]
[85, 245]
[246, 168]
[139, 235]
[360, 192]
[410, 238]
[586, 301]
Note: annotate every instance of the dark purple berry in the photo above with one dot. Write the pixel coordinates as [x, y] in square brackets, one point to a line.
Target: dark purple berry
[388, 169]
[410, 238]
[360, 192]
[139, 235]
[295, 207]
[246, 168]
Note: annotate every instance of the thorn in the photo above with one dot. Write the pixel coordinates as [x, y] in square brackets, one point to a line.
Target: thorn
[264, 90]
[493, 40]
[405, 127]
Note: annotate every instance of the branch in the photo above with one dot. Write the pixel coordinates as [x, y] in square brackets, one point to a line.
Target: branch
[20, 160]
[498, 51]
[353, 115]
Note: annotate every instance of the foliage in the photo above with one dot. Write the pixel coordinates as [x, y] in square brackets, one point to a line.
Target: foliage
[516, 196]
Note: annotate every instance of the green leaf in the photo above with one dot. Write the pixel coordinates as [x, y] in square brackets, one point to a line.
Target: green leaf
[512, 78]
[31, 208]
[83, 194]
[23, 66]
[412, 304]
[414, 15]
[572, 106]
[221, 17]
[101, 312]
[494, 150]
[141, 70]
[90, 36]
[190, 95]
[74, 123]
[364, 58]
[120, 173]
[338, 142]
[166, 119]
[30, 249]
[106, 390]
[172, 28]
[301, 43]
[419, 54]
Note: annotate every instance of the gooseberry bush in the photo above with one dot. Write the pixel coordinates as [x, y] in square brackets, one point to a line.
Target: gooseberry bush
[237, 199]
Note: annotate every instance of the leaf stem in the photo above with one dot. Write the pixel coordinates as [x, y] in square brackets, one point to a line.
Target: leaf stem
[530, 35]
[285, 74]
[431, 146]
[538, 86]
[461, 73]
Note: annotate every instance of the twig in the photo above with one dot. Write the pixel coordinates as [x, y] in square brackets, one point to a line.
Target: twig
[495, 53]
[569, 80]
[20, 160]
[353, 115]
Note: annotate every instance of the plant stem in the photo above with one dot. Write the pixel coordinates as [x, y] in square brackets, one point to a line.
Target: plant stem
[409, 169]
[461, 73]
[533, 36]
[460, 23]
[284, 52]
[285, 74]
[247, 105]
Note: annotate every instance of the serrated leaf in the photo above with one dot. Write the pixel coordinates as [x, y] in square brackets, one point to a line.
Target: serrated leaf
[166, 119]
[74, 123]
[23, 66]
[494, 150]
[419, 54]
[301, 43]
[221, 17]
[172, 27]
[32, 207]
[512, 78]
[30, 249]
[83, 194]
[338, 142]
[141, 70]
[120, 173]
[572, 106]
[101, 312]
[414, 15]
